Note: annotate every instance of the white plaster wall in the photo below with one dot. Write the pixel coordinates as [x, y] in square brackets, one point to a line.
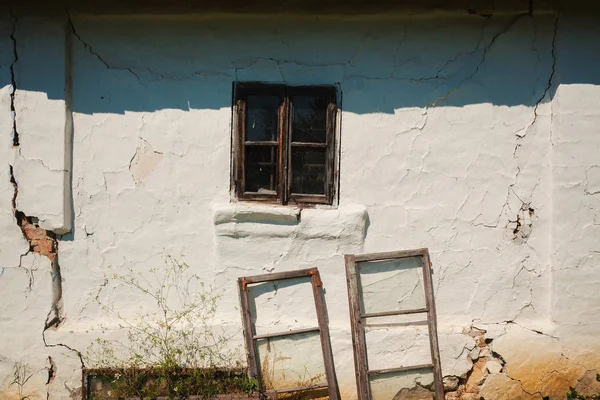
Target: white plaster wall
[576, 141]
[451, 132]
[11, 241]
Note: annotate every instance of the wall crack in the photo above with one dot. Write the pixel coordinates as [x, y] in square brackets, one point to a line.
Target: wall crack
[552, 70]
[43, 243]
[92, 52]
[13, 81]
[484, 56]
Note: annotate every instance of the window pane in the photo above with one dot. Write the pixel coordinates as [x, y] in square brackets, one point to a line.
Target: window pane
[291, 361]
[392, 285]
[395, 345]
[308, 170]
[262, 118]
[309, 119]
[261, 169]
[272, 301]
[417, 384]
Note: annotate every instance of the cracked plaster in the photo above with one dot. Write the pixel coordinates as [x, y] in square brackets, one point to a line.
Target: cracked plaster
[456, 175]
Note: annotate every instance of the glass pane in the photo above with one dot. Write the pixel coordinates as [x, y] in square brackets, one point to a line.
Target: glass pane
[408, 385]
[262, 118]
[394, 346]
[309, 119]
[274, 306]
[392, 285]
[291, 361]
[261, 169]
[308, 170]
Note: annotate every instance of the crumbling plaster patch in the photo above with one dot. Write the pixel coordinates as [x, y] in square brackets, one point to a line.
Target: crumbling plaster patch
[41, 241]
[144, 161]
[518, 363]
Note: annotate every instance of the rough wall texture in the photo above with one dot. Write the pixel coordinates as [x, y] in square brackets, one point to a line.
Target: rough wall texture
[473, 136]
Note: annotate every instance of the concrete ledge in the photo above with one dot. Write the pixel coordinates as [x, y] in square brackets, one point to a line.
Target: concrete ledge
[257, 213]
[259, 220]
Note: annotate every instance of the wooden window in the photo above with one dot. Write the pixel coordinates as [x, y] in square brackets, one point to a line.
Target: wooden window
[376, 284]
[257, 366]
[284, 143]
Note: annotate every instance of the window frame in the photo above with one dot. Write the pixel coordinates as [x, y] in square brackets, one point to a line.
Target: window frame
[358, 320]
[283, 194]
[250, 337]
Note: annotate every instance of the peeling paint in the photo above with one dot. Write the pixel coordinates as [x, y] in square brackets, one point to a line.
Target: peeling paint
[144, 161]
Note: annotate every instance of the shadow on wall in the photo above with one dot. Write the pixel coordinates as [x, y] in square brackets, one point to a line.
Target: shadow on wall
[146, 64]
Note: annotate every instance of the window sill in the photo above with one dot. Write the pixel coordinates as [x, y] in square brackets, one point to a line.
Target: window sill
[260, 220]
[258, 213]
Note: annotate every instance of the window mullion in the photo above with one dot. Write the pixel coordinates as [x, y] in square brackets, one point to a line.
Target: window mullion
[285, 147]
[330, 155]
[240, 184]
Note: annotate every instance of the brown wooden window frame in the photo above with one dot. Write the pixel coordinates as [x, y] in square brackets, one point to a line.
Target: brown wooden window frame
[358, 318]
[284, 144]
[250, 336]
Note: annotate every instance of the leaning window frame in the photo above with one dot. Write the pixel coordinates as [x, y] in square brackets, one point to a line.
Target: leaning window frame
[250, 336]
[358, 318]
[284, 195]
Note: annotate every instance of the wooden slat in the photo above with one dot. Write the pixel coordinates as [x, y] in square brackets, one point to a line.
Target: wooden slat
[255, 196]
[432, 324]
[241, 152]
[325, 340]
[261, 143]
[284, 112]
[399, 312]
[309, 145]
[330, 171]
[358, 336]
[299, 388]
[399, 369]
[279, 276]
[286, 333]
[308, 198]
[389, 255]
[248, 332]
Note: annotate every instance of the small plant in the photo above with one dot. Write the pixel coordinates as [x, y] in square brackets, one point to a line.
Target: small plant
[305, 380]
[21, 375]
[171, 350]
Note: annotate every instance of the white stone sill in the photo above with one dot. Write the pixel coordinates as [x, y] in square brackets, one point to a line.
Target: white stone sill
[244, 212]
[243, 220]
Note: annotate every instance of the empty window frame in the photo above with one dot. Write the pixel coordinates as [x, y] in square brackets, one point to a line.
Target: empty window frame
[362, 310]
[284, 139]
[251, 338]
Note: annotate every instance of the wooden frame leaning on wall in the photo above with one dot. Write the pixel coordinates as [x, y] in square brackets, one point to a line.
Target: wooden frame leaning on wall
[251, 337]
[359, 317]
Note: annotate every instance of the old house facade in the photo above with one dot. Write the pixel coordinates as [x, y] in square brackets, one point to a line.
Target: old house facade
[470, 130]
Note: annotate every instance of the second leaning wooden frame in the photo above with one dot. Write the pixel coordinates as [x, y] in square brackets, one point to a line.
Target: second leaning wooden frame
[357, 319]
